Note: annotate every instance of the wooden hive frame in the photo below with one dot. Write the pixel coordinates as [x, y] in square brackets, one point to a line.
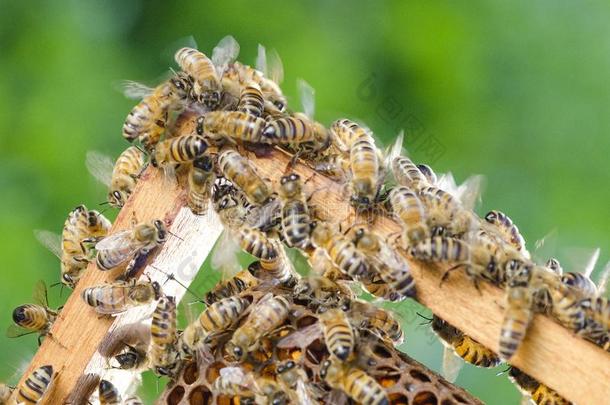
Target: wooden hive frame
[577, 369]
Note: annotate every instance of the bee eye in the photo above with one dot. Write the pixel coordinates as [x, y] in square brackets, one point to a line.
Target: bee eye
[237, 351]
[279, 105]
[290, 364]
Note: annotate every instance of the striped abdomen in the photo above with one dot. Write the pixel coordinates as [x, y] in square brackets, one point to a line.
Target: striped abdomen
[441, 249]
[364, 162]
[363, 388]
[146, 121]
[384, 323]
[222, 314]
[407, 173]
[295, 129]
[600, 312]
[163, 326]
[128, 166]
[409, 210]
[516, 320]
[201, 178]
[566, 308]
[268, 315]
[475, 353]
[251, 100]
[197, 64]
[296, 223]
[35, 386]
[344, 254]
[338, 334]
[236, 125]
[507, 229]
[233, 286]
[106, 299]
[108, 393]
[346, 132]
[32, 317]
[111, 258]
[257, 244]
[240, 172]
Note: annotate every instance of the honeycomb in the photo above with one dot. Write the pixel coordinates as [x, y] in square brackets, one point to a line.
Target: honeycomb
[405, 380]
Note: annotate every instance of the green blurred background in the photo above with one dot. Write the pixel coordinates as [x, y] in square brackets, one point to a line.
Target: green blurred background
[518, 91]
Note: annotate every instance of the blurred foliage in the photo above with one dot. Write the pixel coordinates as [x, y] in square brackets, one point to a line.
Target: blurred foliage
[517, 91]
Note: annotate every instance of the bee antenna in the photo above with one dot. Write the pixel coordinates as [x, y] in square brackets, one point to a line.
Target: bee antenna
[171, 276]
[55, 284]
[503, 371]
[425, 317]
[175, 236]
[139, 148]
[104, 203]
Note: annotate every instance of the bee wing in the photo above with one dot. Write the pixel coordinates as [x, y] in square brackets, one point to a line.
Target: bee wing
[224, 258]
[100, 166]
[452, 364]
[117, 240]
[225, 53]
[395, 150]
[263, 215]
[591, 263]
[50, 240]
[469, 192]
[261, 60]
[602, 283]
[308, 97]
[15, 331]
[276, 68]
[303, 394]
[135, 90]
[581, 260]
[302, 337]
[234, 375]
[40, 293]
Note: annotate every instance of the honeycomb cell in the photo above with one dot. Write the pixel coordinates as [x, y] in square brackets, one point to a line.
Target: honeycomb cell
[213, 371]
[176, 394]
[418, 375]
[316, 352]
[398, 399]
[304, 321]
[425, 398]
[190, 373]
[382, 352]
[200, 396]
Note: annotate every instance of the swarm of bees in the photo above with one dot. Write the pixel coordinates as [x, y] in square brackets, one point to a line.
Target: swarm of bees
[269, 335]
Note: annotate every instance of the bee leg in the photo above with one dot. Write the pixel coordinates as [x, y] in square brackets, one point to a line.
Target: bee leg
[446, 273]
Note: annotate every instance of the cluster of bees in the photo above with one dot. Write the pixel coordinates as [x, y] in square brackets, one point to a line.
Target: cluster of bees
[237, 109]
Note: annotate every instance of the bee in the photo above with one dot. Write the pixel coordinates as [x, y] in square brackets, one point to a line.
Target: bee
[446, 213]
[164, 356]
[117, 248]
[108, 394]
[357, 384]
[81, 230]
[268, 314]
[411, 213]
[35, 386]
[251, 100]
[201, 179]
[408, 174]
[338, 334]
[33, 318]
[239, 171]
[220, 126]
[296, 222]
[257, 244]
[120, 177]
[455, 341]
[365, 162]
[293, 380]
[278, 269]
[391, 267]
[377, 320]
[441, 249]
[538, 392]
[147, 121]
[215, 319]
[269, 391]
[507, 230]
[133, 358]
[320, 291]
[206, 72]
[234, 381]
[518, 312]
[231, 287]
[178, 150]
[120, 296]
[341, 251]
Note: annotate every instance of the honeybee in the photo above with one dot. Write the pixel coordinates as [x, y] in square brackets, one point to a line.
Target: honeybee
[81, 230]
[269, 391]
[296, 222]
[294, 379]
[251, 100]
[34, 388]
[320, 291]
[132, 358]
[163, 354]
[33, 318]
[357, 384]
[234, 381]
[365, 163]
[205, 72]
[147, 121]
[428, 173]
[267, 314]
[341, 251]
[299, 130]
[119, 247]
[215, 319]
[120, 296]
[518, 312]
[239, 171]
[108, 394]
[507, 230]
[278, 269]
[456, 342]
[538, 392]
[201, 178]
[231, 287]
[410, 212]
[178, 150]
[446, 213]
[408, 174]
[121, 176]
[231, 126]
[441, 249]
[338, 334]
[391, 267]
[377, 320]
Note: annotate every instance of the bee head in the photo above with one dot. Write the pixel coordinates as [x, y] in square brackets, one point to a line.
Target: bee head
[68, 280]
[283, 367]
[280, 105]
[161, 230]
[291, 185]
[205, 163]
[117, 198]
[156, 289]
[210, 99]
